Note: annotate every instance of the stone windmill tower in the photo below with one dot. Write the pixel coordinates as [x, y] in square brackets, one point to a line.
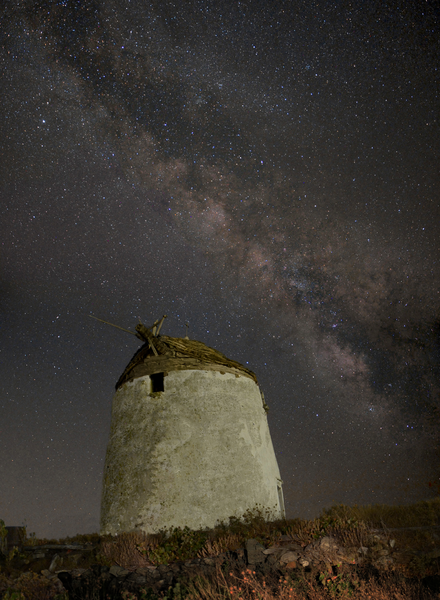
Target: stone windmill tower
[189, 441]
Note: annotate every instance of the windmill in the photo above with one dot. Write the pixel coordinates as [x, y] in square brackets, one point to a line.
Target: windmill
[189, 441]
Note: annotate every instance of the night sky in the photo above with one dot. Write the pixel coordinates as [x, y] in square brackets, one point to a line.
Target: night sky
[265, 171]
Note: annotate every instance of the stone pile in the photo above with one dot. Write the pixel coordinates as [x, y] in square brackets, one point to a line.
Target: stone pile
[275, 561]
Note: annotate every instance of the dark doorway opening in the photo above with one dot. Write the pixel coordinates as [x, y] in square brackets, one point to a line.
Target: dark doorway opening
[157, 382]
[281, 498]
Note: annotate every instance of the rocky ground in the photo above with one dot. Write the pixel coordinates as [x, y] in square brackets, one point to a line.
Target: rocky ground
[60, 565]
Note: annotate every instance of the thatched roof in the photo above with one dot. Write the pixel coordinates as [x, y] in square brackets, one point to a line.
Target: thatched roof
[177, 354]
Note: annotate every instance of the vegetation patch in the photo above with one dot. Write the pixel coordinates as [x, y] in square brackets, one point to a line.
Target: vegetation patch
[375, 576]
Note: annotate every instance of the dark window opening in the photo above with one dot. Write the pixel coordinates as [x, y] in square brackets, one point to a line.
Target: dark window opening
[157, 382]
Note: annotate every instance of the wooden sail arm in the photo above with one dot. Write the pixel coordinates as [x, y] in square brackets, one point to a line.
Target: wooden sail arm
[156, 344]
[159, 325]
[143, 338]
[112, 324]
[145, 334]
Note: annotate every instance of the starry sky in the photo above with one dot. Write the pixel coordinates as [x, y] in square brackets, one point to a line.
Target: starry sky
[266, 171]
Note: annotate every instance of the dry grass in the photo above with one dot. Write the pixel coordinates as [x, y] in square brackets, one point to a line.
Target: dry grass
[129, 550]
[218, 546]
[29, 586]
[416, 540]
[350, 525]
[247, 585]
[425, 513]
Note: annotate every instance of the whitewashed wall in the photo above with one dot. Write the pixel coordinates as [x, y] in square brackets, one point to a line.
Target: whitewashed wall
[192, 455]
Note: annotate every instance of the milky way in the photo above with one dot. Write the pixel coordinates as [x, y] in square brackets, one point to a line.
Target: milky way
[268, 173]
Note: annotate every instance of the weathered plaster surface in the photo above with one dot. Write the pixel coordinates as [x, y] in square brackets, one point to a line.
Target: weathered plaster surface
[192, 455]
